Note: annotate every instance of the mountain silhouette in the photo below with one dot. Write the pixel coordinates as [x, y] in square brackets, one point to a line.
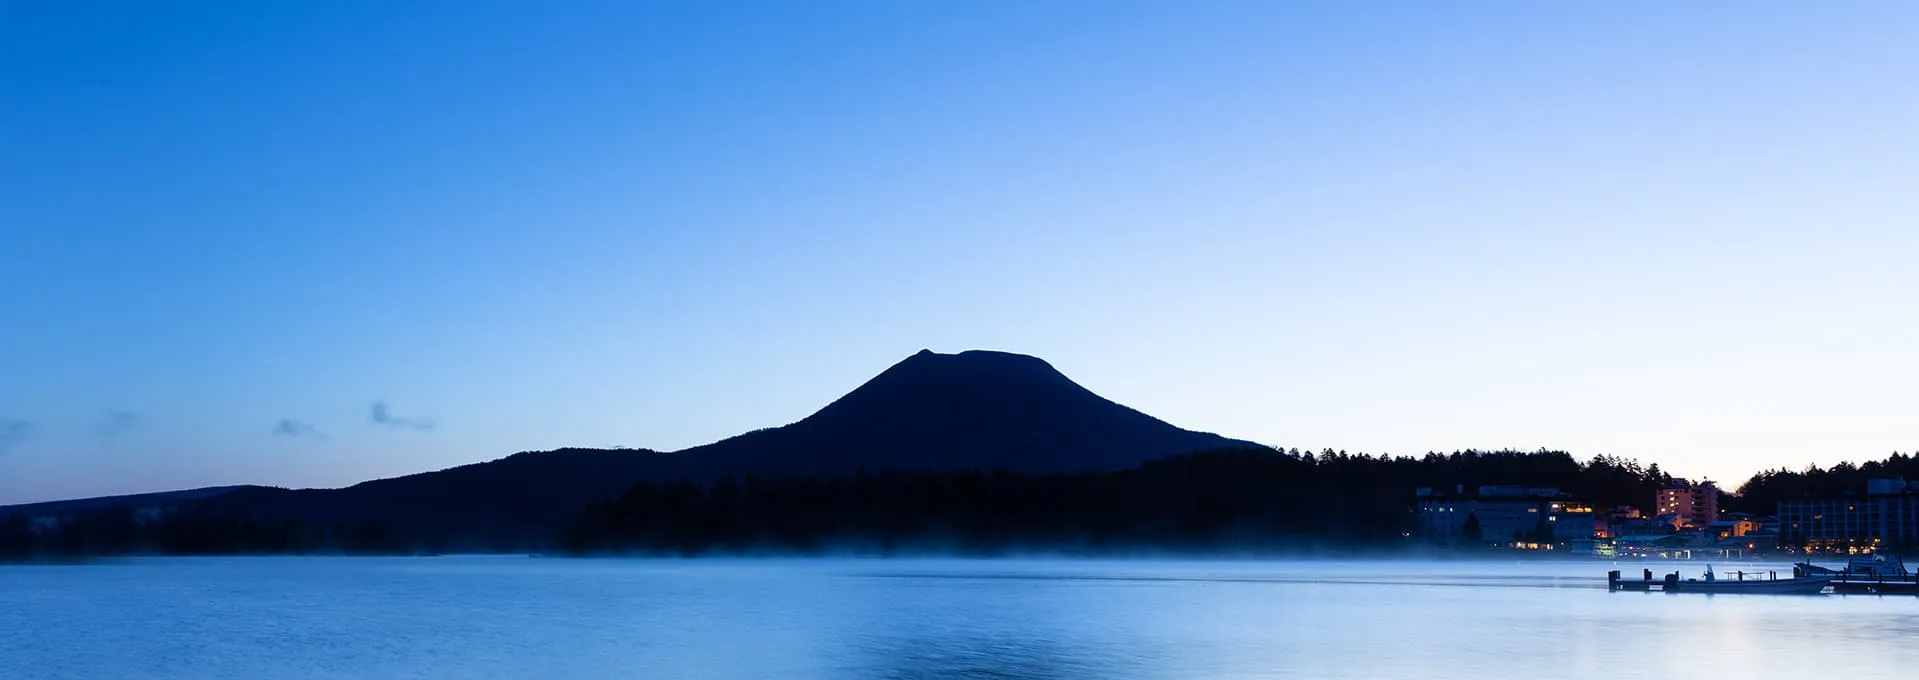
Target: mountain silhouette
[972, 410]
[975, 410]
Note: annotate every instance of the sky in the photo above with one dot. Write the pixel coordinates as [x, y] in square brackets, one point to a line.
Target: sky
[308, 244]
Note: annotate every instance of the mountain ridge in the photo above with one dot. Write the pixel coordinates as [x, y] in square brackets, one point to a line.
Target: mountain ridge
[947, 403]
[977, 409]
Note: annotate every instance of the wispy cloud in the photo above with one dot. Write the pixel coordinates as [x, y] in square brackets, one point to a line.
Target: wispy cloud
[115, 424]
[381, 415]
[12, 432]
[288, 427]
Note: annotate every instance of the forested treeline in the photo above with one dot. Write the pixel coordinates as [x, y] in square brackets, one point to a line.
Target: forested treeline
[1761, 494]
[1243, 498]
[1236, 499]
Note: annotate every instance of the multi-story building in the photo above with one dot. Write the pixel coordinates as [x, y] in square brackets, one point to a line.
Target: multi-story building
[1507, 515]
[1887, 513]
[1695, 504]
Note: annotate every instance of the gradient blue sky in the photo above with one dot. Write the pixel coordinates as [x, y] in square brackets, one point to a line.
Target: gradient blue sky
[1678, 232]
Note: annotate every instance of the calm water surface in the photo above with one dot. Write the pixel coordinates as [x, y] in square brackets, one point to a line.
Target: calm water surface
[496, 617]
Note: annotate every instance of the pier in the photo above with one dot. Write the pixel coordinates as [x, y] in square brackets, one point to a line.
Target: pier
[1868, 584]
[1766, 582]
[1645, 583]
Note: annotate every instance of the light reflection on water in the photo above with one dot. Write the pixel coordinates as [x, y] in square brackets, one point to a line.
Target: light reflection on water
[914, 619]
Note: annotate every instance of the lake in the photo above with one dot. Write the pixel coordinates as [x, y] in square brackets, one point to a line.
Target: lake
[519, 617]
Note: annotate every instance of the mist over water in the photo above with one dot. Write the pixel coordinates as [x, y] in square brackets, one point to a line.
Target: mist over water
[517, 617]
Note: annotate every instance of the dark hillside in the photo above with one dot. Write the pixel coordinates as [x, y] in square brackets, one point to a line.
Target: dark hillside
[974, 410]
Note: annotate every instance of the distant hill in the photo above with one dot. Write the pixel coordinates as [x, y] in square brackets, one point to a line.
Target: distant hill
[507, 504]
[155, 499]
[930, 412]
[972, 410]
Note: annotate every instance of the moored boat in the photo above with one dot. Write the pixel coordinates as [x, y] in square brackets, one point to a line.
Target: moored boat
[1802, 585]
[1875, 574]
[1767, 583]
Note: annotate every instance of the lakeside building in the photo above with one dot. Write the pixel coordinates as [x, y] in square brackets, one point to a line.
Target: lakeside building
[1663, 546]
[1669, 522]
[1695, 504]
[1888, 513]
[1510, 515]
[1604, 548]
[1622, 520]
[1737, 527]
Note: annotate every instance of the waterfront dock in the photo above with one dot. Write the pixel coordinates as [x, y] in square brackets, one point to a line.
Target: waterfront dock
[1765, 582]
[1867, 575]
[1867, 584]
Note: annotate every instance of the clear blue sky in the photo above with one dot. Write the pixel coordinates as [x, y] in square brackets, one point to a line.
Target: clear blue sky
[1677, 232]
